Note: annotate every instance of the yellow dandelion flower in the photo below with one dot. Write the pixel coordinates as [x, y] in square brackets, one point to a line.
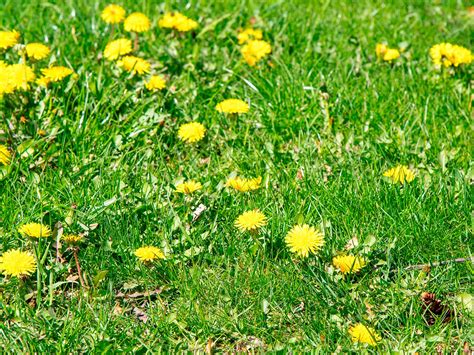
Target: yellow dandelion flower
[188, 187]
[156, 83]
[5, 155]
[117, 48]
[149, 253]
[37, 50]
[56, 73]
[254, 184]
[349, 263]
[72, 238]
[251, 221]
[255, 50]
[17, 263]
[437, 54]
[232, 106]
[7, 85]
[134, 64]
[8, 39]
[177, 21]
[447, 54]
[380, 50]
[391, 54]
[385, 53]
[43, 81]
[168, 20]
[35, 230]
[361, 334]
[137, 22]
[303, 239]
[186, 25]
[113, 14]
[191, 132]
[400, 174]
[249, 34]
[20, 76]
[244, 185]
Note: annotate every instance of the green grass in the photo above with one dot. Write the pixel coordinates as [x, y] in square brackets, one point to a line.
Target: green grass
[112, 150]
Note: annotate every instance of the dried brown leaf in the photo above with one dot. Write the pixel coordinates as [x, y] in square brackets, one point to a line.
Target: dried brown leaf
[369, 309]
[117, 309]
[434, 309]
[205, 161]
[140, 314]
[353, 243]
[198, 211]
[466, 348]
[249, 344]
[209, 346]
[300, 174]
[136, 295]
[72, 278]
[299, 308]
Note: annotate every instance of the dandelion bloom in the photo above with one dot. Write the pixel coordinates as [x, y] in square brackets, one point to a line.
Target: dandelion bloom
[191, 132]
[244, 185]
[251, 221]
[17, 263]
[400, 174]
[134, 64]
[117, 48]
[232, 106]
[303, 239]
[7, 84]
[380, 49]
[19, 76]
[72, 238]
[56, 73]
[385, 53]
[35, 230]
[113, 14]
[8, 39]
[448, 54]
[149, 253]
[37, 50]
[168, 20]
[43, 81]
[137, 22]
[156, 83]
[186, 25]
[188, 187]
[249, 34]
[349, 263]
[5, 155]
[255, 50]
[391, 54]
[177, 21]
[361, 334]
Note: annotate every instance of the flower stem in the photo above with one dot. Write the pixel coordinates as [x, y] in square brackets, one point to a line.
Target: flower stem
[39, 270]
[135, 42]
[50, 289]
[23, 55]
[78, 267]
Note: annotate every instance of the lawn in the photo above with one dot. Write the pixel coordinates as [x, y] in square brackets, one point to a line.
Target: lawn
[95, 151]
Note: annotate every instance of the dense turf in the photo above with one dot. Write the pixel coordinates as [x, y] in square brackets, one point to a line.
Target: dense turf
[326, 120]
